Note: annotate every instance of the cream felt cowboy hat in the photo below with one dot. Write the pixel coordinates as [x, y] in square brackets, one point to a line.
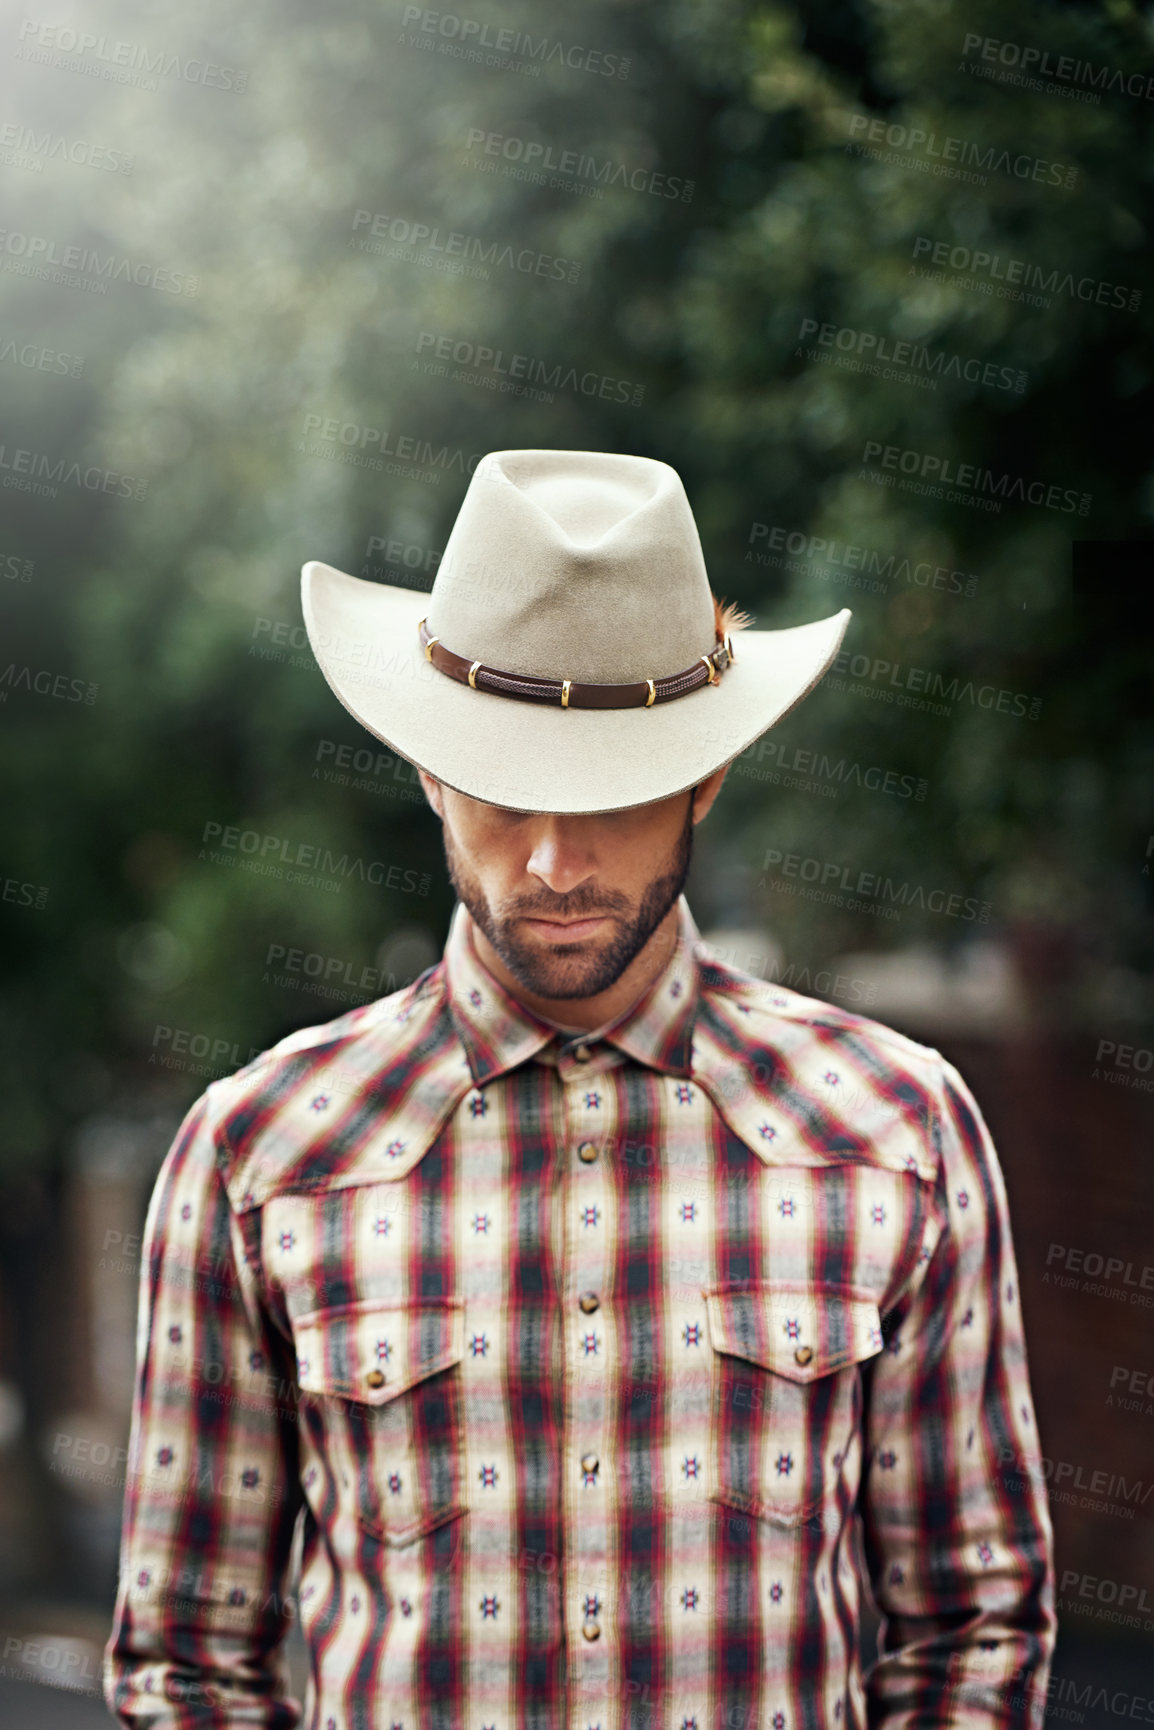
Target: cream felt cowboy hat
[571, 656]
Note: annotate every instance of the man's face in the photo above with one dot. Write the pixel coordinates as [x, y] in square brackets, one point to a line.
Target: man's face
[567, 901]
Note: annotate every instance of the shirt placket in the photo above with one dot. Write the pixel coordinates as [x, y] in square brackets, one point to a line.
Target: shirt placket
[589, 1355]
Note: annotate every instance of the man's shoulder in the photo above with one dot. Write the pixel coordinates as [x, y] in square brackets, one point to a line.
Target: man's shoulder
[876, 1089]
[308, 1111]
[388, 1024]
[766, 1007]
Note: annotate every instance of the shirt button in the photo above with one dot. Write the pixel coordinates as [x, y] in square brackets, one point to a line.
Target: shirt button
[376, 1378]
[587, 1152]
[581, 1053]
[589, 1462]
[803, 1354]
[591, 1629]
[589, 1302]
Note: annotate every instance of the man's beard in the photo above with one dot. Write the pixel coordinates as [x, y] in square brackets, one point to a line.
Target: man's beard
[583, 968]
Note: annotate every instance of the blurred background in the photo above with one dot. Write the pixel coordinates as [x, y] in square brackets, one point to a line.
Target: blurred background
[877, 280]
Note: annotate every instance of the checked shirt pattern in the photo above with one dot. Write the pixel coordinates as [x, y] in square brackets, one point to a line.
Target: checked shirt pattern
[572, 1361]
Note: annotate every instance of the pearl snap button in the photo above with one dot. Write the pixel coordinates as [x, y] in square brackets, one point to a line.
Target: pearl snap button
[803, 1354]
[376, 1378]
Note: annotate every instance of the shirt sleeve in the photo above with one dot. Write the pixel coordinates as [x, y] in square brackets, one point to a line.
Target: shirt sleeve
[959, 1552]
[212, 1488]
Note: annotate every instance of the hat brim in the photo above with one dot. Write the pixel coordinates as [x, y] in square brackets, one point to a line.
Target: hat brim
[529, 756]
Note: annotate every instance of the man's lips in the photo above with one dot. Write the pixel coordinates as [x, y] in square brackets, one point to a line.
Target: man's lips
[568, 930]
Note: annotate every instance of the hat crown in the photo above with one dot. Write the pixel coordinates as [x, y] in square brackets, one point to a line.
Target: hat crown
[582, 565]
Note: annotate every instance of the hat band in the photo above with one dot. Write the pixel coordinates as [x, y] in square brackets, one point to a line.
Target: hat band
[572, 693]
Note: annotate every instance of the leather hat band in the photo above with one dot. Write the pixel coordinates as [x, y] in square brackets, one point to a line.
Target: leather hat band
[574, 694]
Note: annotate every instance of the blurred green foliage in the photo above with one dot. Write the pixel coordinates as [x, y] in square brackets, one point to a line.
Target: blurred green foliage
[698, 303]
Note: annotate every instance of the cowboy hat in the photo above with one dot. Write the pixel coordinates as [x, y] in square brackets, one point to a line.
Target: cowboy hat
[571, 656]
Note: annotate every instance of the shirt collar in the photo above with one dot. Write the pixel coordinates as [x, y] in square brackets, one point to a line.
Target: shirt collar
[499, 1032]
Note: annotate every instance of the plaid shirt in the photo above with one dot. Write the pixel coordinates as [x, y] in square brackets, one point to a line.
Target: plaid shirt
[580, 1357]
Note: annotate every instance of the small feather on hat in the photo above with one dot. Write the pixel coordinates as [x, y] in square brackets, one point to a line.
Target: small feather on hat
[728, 617]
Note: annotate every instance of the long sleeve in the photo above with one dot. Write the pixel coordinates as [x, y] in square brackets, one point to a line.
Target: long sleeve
[212, 1491]
[959, 1553]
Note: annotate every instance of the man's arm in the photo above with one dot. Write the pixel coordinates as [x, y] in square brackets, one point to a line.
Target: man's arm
[212, 1488]
[960, 1557]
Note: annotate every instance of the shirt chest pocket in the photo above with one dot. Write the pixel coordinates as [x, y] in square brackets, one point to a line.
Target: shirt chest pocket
[786, 1397]
[386, 1385]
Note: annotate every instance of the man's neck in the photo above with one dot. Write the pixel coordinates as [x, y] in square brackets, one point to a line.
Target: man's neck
[607, 1006]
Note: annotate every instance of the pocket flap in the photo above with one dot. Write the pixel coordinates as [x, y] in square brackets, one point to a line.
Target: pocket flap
[800, 1331]
[372, 1352]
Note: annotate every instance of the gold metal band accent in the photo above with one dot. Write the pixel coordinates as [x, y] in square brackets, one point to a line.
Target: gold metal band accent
[473, 675]
[711, 670]
[729, 646]
[565, 684]
[652, 692]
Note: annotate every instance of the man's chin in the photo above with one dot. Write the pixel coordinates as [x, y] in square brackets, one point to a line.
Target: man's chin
[564, 970]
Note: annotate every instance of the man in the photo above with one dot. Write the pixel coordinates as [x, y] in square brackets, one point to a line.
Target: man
[596, 1306]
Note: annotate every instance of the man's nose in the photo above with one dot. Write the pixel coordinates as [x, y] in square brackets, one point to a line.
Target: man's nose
[560, 858]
